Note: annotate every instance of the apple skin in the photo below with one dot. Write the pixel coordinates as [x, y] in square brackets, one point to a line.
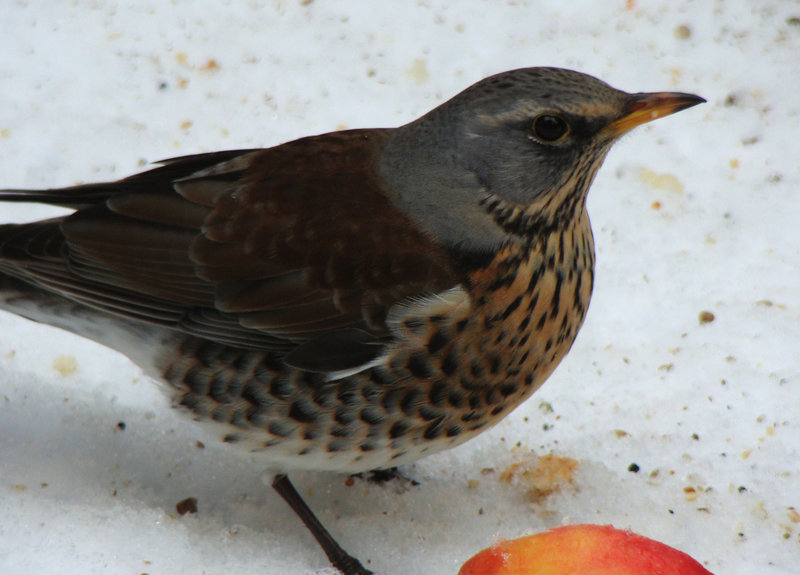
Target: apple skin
[582, 550]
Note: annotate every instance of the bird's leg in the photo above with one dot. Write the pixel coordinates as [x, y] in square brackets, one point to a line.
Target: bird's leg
[338, 557]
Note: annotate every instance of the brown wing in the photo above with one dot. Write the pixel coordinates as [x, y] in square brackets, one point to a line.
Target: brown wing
[295, 248]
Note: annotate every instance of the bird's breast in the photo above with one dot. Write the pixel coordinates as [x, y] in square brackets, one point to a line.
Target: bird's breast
[475, 354]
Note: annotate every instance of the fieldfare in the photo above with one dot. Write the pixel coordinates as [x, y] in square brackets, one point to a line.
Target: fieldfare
[347, 301]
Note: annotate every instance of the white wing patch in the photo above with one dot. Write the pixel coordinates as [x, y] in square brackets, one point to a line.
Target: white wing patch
[453, 303]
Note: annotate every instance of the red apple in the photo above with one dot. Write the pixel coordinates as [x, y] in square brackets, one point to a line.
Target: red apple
[582, 550]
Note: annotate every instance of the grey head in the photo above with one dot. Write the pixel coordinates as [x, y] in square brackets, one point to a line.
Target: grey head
[531, 138]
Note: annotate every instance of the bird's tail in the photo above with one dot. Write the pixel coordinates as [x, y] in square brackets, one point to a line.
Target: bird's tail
[33, 266]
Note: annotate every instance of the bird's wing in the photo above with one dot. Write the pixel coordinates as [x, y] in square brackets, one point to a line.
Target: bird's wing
[295, 249]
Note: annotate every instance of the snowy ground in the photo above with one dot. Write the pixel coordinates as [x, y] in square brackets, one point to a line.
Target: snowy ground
[697, 212]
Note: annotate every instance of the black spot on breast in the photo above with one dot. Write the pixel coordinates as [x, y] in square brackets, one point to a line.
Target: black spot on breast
[411, 401]
[399, 429]
[218, 388]
[438, 393]
[256, 395]
[344, 416]
[456, 398]
[390, 399]
[555, 303]
[419, 366]
[434, 430]
[472, 416]
[207, 352]
[536, 276]
[193, 403]
[449, 364]
[436, 342]
[350, 398]
[239, 419]
[341, 431]
[195, 379]
[280, 389]
[302, 412]
[494, 363]
[370, 394]
[255, 416]
[371, 416]
[232, 438]
[512, 307]
[508, 388]
[280, 428]
[492, 397]
[577, 292]
[428, 413]
[221, 413]
[471, 385]
[476, 369]
[336, 446]
[381, 376]
[243, 362]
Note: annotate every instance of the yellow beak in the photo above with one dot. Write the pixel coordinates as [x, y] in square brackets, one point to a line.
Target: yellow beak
[646, 107]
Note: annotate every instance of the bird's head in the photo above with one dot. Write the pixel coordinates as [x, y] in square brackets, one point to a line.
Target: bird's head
[529, 140]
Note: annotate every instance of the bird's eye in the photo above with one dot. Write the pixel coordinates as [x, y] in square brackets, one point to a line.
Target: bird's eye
[549, 128]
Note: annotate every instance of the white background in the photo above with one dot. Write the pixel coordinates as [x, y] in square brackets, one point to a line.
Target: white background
[699, 211]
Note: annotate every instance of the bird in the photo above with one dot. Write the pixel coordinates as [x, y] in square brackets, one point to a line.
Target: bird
[348, 301]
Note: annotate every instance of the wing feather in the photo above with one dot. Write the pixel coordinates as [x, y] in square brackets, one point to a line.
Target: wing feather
[295, 249]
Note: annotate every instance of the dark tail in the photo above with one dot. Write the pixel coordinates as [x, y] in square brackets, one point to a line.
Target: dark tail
[158, 179]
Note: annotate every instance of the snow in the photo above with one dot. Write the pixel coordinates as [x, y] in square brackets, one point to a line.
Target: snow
[696, 212]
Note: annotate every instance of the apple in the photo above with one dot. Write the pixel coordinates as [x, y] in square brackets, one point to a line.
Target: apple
[582, 550]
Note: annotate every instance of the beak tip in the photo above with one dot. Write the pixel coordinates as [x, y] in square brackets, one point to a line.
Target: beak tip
[694, 100]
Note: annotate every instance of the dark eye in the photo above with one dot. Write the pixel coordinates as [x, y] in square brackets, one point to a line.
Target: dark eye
[549, 128]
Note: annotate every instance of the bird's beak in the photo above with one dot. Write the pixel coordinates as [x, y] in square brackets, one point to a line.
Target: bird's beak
[646, 107]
